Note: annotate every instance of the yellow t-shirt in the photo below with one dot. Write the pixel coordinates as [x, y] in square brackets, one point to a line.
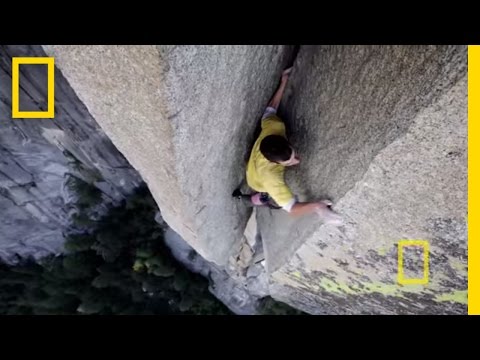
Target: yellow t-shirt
[264, 175]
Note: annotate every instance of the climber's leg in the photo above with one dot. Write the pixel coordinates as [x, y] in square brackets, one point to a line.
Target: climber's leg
[255, 199]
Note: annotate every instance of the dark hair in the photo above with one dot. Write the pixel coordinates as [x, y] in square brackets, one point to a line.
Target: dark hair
[276, 148]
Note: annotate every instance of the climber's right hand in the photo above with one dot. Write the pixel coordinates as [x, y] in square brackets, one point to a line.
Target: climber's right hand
[286, 73]
[327, 215]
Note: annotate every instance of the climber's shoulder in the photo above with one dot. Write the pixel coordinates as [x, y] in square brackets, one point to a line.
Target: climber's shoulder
[273, 125]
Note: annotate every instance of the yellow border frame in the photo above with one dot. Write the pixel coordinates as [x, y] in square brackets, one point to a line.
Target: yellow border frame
[50, 62]
[473, 179]
[401, 278]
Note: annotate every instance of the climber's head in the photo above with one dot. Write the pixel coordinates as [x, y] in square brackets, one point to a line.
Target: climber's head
[277, 149]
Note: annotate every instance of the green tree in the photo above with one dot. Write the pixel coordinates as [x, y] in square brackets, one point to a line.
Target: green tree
[120, 266]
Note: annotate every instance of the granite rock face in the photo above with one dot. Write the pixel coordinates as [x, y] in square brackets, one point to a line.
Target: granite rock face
[39, 157]
[183, 116]
[381, 130]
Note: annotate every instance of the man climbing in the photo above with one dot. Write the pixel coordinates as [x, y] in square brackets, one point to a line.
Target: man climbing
[271, 153]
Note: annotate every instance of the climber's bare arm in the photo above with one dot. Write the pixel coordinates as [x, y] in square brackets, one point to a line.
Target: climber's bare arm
[322, 208]
[303, 208]
[277, 97]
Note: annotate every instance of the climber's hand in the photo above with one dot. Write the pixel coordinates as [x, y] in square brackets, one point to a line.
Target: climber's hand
[326, 214]
[286, 74]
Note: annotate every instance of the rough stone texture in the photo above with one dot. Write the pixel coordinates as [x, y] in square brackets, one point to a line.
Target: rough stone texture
[183, 116]
[33, 168]
[241, 294]
[382, 131]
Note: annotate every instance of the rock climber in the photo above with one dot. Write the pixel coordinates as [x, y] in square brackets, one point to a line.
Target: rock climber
[271, 153]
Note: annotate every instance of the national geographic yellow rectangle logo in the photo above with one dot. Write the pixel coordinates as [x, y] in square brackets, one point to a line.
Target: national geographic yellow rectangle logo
[401, 276]
[16, 112]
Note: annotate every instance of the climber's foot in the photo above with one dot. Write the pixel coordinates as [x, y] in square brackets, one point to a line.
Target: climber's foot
[237, 193]
[246, 199]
